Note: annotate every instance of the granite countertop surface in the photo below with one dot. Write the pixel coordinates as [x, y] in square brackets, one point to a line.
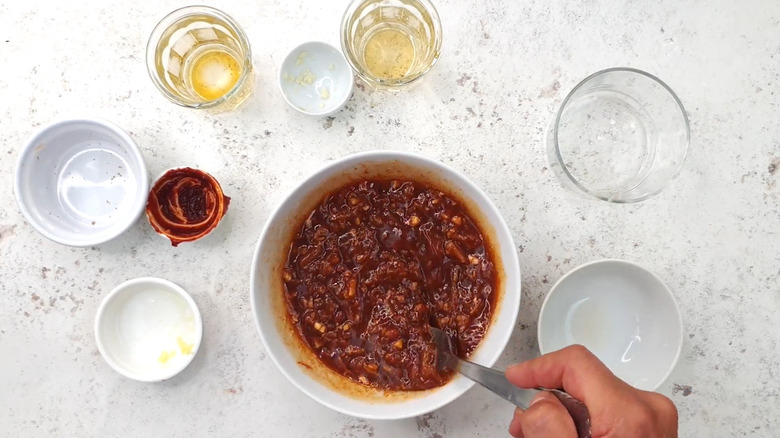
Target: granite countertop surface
[712, 236]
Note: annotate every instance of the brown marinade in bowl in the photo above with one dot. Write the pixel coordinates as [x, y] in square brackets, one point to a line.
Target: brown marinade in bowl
[372, 266]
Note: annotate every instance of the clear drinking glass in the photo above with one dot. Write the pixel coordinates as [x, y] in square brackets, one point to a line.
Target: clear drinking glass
[199, 57]
[620, 135]
[391, 43]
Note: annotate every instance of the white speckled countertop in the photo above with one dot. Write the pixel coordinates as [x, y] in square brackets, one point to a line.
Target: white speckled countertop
[713, 235]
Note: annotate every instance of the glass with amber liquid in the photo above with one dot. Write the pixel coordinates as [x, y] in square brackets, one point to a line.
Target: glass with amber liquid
[199, 57]
[391, 43]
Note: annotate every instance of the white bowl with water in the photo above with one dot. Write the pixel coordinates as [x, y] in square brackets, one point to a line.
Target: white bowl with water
[148, 329]
[621, 312]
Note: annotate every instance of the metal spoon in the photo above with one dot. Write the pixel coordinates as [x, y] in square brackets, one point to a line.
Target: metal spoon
[496, 381]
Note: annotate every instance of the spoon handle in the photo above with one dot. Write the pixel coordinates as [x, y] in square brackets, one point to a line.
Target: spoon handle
[497, 382]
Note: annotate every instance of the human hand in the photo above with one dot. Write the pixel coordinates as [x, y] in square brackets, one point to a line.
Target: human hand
[617, 409]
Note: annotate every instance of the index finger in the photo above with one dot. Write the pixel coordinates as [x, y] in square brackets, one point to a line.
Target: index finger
[574, 369]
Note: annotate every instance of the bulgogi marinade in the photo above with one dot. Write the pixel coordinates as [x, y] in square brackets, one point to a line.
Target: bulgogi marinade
[373, 266]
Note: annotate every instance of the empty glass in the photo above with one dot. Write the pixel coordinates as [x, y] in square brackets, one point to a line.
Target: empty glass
[621, 135]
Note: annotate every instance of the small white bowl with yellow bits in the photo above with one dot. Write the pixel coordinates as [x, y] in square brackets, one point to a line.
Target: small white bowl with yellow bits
[148, 329]
[316, 79]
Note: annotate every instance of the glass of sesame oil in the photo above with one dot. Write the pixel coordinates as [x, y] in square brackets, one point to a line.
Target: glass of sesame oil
[391, 43]
[199, 57]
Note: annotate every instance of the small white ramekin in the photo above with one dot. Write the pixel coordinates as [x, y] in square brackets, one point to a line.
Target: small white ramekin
[81, 182]
[148, 329]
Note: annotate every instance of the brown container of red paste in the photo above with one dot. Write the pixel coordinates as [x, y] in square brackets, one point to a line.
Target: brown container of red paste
[186, 204]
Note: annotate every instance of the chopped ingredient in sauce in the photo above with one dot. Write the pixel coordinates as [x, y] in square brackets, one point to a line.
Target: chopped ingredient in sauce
[373, 266]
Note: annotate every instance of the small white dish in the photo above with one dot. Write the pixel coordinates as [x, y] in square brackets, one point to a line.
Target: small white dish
[621, 312]
[316, 79]
[148, 329]
[81, 182]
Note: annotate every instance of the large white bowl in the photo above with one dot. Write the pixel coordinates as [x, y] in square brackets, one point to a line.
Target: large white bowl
[81, 182]
[622, 313]
[281, 341]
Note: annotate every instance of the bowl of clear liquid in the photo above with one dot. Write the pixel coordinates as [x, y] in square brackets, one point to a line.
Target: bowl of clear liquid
[199, 57]
[621, 312]
[391, 43]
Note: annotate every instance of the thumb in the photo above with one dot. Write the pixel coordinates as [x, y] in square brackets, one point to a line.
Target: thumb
[545, 417]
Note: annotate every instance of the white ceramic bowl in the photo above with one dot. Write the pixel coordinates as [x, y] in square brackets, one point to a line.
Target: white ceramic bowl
[81, 182]
[315, 79]
[266, 289]
[620, 311]
[148, 329]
